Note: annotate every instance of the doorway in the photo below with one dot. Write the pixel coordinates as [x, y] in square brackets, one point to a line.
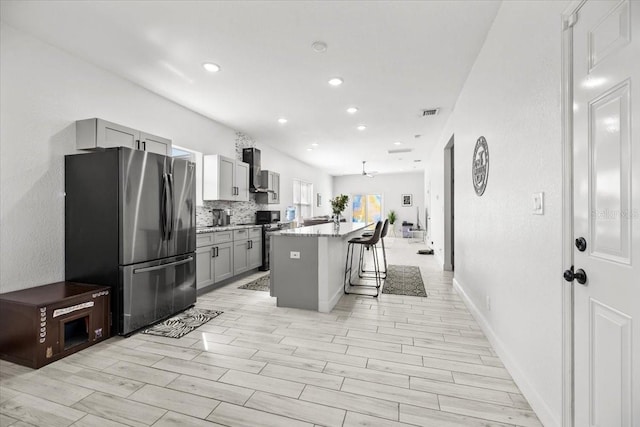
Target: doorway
[601, 236]
[449, 209]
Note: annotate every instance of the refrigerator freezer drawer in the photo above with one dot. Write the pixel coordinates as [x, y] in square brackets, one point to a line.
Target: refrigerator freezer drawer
[155, 290]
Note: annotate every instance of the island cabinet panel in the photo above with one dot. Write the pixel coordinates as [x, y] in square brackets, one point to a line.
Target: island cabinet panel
[46, 323]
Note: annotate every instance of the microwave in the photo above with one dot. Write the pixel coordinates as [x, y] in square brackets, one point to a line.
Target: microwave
[267, 217]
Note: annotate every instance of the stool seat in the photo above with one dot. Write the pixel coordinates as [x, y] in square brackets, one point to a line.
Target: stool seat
[364, 242]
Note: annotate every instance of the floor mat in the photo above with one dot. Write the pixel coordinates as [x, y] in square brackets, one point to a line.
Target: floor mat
[183, 323]
[404, 280]
[261, 284]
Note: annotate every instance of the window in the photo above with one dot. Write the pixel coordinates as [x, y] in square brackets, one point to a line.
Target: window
[303, 198]
[366, 208]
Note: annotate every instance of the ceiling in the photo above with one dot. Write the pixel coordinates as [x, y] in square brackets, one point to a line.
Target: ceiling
[395, 57]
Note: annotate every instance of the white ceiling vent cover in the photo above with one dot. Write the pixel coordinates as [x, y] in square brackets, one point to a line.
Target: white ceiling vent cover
[400, 150]
[430, 112]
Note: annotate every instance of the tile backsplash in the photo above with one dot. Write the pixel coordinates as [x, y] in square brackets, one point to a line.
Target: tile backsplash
[241, 212]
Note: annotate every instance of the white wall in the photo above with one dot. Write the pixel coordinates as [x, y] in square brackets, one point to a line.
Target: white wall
[43, 91]
[290, 168]
[512, 98]
[392, 187]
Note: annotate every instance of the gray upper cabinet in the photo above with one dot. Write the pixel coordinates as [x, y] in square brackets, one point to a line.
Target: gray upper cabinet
[98, 133]
[155, 144]
[272, 179]
[225, 178]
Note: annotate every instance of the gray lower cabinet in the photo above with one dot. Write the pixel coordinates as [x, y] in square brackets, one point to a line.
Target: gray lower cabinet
[247, 249]
[240, 256]
[255, 253]
[204, 267]
[221, 255]
[223, 262]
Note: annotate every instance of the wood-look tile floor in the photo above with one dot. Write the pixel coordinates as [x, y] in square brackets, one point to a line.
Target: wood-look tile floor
[391, 361]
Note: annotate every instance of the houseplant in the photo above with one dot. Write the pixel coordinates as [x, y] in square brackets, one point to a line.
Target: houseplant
[338, 204]
[392, 217]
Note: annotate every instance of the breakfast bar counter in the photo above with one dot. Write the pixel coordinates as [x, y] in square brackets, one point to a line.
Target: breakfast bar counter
[307, 264]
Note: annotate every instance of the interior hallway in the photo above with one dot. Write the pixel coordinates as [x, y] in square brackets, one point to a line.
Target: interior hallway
[391, 361]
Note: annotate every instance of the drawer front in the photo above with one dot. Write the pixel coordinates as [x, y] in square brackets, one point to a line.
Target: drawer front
[242, 234]
[204, 239]
[255, 233]
[222, 236]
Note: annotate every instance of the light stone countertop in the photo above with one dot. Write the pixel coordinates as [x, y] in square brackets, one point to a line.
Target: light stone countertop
[324, 230]
[201, 230]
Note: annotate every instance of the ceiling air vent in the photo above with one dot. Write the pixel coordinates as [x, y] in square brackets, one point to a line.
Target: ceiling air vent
[430, 112]
[400, 150]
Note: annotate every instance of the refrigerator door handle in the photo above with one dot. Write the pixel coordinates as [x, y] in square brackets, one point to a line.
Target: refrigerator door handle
[171, 206]
[160, 267]
[163, 208]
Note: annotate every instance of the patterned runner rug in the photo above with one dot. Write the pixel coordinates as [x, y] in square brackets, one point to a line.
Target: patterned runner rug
[261, 284]
[404, 280]
[183, 323]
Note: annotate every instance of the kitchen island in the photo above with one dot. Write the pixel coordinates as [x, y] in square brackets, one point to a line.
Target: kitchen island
[307, 265]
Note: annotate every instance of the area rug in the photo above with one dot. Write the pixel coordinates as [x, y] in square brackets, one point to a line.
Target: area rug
[183, 323]
[404, 280]
[261, 284]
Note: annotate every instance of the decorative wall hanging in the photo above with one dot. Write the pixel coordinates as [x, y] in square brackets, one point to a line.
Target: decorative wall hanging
[407, 200]
[480, 166]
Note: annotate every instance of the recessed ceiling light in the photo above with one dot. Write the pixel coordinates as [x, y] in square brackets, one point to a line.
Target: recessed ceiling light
[319, 46]
[309, 149]
[315, 144]
[282, 120]
[211, 67]
[336, 81]
[361, 127]
[352, 110]
[397, 143]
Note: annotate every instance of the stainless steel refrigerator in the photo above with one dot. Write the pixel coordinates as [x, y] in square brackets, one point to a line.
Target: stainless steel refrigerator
[130, 224]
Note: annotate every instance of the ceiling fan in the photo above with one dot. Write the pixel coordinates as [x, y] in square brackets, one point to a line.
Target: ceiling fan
[370, 174]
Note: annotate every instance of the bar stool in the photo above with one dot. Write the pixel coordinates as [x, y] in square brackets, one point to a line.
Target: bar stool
[365, 242]
[362, 273]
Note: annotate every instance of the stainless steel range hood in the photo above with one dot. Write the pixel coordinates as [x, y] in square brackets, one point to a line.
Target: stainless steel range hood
[252, 156]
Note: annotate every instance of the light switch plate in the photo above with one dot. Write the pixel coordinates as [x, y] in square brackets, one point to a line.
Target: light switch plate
[294, 255]
[538, 204]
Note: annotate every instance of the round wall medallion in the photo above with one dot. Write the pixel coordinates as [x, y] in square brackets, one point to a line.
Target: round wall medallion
[480, 166]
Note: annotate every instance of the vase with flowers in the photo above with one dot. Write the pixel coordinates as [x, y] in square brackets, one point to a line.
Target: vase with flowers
[338, 204]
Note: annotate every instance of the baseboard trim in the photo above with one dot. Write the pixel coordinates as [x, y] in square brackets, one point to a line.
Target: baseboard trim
[535, 400]
[327, 306]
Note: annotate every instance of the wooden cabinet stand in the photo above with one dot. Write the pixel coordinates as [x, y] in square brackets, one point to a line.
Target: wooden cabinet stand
[46, 323]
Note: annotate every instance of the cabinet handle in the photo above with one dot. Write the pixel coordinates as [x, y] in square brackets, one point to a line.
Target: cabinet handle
[217, 251]
[144, 145]
[137, 144]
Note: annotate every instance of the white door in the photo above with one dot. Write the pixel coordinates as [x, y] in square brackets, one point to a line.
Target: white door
[606, 127]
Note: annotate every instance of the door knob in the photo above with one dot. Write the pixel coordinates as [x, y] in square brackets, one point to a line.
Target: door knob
[581, 244]
[579, 275]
